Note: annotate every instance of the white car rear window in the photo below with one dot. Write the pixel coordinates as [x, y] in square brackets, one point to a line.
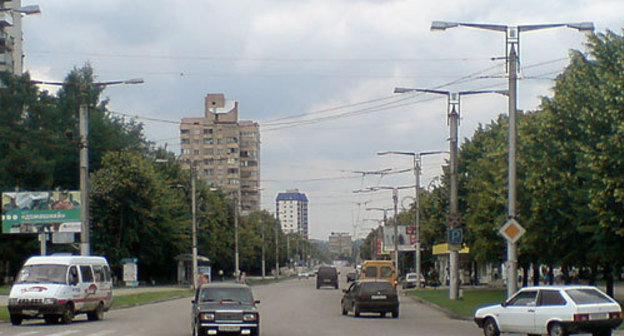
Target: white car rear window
[587, 296]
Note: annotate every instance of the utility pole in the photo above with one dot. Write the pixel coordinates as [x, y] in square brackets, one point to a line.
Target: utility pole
[83, 123]
[236, 255]
[277, 267]
[85, 246]
[454, 234]
[395, 199]
[263, 249]
[194, 223]
[512, 44]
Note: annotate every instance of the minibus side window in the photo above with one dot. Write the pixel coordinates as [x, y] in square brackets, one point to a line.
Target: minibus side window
[87, 274]
[107, 274]
[72, 276]
[98, 271]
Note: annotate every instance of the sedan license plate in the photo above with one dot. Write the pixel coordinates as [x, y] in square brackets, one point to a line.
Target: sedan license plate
[229, 328]
[327, 280]
[30, 312]
[599, 316]
[378, 297]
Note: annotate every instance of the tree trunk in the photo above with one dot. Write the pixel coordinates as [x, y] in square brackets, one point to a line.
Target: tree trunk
[592, 275]
[536, 274]
[525, 275]
[608, 277]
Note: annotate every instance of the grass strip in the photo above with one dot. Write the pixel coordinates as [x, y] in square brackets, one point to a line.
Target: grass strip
[465, 307]
[131, 300]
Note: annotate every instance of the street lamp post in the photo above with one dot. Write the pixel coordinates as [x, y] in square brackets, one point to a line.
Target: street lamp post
[417, 170]
[454, 226]
[85, 245]
[395, 200]
[512, 44]
[385, 221]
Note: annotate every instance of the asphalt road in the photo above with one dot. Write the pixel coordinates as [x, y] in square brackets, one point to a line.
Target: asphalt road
[293, 307]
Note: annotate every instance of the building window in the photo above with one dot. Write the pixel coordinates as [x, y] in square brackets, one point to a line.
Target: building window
[208, 161]
[232, 161]
[219, 141]
[186, 151]
[196, 152]
[208, 172]
[233, 150]
[185, 141]
[208, 151]
[232, 171]
[196, 131]
[207, 141]
[207, 130]
[232, 181]
[184, 131]
[220, 151]
[231, 140]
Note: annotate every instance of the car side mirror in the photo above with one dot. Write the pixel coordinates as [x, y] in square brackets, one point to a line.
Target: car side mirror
[504, 304]
[257, 302]
[345, 290]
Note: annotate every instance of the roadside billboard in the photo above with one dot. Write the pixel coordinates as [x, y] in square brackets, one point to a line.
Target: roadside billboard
[406, 241]
[41, 211]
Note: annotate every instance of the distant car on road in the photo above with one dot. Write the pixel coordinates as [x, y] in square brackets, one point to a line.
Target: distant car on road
[327, 276]
[412, 280]
[552, 310]
[224, 308]
[351, 276]
[371, 296]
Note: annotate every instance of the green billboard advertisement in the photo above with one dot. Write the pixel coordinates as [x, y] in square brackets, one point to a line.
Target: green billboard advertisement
[31, 212]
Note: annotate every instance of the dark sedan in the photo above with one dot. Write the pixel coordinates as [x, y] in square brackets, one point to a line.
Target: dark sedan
[225, 308]
[370, 296]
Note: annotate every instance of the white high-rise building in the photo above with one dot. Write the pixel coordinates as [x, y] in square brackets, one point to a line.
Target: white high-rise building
[292, 212]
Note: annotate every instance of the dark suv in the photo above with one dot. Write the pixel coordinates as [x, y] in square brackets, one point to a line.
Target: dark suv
[327, 276]
[224, 308]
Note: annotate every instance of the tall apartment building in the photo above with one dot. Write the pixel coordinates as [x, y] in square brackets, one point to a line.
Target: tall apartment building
[340, 244]
[292, 212]
[11, 50]
[224, 150]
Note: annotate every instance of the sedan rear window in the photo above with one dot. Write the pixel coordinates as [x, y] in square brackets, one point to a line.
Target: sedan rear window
[375, 287]
[587, 296]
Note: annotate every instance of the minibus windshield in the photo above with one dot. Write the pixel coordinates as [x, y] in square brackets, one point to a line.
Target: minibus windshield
[43, 274]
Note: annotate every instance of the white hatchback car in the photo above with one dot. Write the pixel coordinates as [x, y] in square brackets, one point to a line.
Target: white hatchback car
[552, 310]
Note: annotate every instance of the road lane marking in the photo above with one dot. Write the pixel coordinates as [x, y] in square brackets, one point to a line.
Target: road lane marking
[103, 333]
[27, 333]
[63, 333]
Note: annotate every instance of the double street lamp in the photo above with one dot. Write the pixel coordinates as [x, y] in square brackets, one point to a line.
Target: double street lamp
[85, 245]
[454, 226]
[395, 200]
[417, 170]
[512, 44]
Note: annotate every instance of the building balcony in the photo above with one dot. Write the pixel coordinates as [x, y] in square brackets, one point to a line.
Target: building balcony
[6, 42]
[6, 19]
[5, 59]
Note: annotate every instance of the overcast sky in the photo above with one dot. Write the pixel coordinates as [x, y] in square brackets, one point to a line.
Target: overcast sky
[317, 75]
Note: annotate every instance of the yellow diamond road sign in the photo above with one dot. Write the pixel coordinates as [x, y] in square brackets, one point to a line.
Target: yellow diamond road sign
[512, 230]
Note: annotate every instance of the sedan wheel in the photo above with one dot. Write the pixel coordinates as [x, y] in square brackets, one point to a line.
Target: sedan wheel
[356, 310]
[557, 329]
[490, 328]
[344, 310]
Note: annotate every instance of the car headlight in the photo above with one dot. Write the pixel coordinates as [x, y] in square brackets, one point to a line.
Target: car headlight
[13, 301]
[207, 316]
[49, 301]
[250, 317]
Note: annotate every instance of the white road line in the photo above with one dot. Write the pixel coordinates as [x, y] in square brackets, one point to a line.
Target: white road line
[63, 333]
[27, 333]
[103, 333]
